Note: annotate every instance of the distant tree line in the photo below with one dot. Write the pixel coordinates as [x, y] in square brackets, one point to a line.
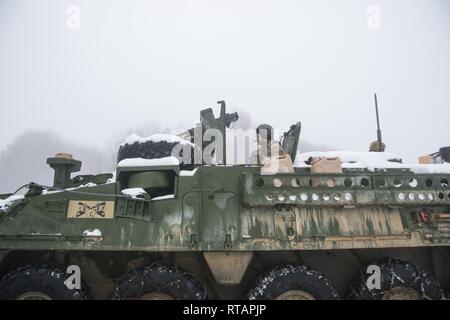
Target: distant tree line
[24, 159]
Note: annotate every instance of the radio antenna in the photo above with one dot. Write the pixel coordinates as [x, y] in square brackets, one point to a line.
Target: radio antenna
[379, 138]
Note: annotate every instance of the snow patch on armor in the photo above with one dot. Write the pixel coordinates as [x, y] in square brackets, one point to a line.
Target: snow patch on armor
[160, 137]
[169, 196]
[87, 185]
[188, 173]
[372, 161]
[133, 192]
[6, 203]
[92, 233]
[139, 162]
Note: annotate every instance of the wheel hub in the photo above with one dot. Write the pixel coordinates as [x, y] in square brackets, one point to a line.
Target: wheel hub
[295, 295]
[156, 296]
[34, 296]
[401, 293]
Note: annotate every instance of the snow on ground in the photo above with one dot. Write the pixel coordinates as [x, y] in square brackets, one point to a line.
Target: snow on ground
[6, 203]
[160, 137]
[139, 162]
[133, 192]
[371, 161]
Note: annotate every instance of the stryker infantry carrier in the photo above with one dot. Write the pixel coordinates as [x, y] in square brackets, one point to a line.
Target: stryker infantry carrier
[169, 225]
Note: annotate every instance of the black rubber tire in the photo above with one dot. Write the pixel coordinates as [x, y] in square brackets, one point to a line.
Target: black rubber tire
[45, 279]
[158, 277]
[153, 150]
[395, 273]
[291, 277]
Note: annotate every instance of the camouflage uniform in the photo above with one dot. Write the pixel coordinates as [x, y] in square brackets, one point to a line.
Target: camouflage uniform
[266, 151]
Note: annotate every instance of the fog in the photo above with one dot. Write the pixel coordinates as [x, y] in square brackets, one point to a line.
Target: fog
[82, 74]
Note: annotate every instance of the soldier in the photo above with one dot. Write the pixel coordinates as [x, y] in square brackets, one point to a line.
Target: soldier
[269, 154]
[375, 147]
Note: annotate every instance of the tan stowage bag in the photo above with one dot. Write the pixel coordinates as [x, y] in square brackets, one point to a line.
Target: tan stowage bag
[425, 159]
[277, 164]
[326, 165]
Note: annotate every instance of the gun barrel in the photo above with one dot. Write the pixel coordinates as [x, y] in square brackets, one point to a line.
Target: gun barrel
[229, 119]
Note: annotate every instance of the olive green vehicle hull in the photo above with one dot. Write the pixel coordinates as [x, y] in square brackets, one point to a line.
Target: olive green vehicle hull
[228, 224]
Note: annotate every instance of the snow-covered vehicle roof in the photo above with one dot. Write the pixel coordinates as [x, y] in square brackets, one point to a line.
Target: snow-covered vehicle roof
[139, 162]
[6, 203]
[159, 137]
[371, 161]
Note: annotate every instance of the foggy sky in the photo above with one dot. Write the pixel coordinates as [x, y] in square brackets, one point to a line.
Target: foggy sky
[281, 61]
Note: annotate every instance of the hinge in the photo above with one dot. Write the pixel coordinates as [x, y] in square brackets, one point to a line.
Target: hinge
[228, 244]
[193, 242]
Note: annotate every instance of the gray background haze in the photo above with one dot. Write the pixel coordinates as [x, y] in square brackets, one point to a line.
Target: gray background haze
[136, 64]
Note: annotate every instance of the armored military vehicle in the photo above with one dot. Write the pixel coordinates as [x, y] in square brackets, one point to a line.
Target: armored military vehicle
[338, 225]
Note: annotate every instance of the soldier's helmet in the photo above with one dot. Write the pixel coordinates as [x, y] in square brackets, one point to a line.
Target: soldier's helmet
[375, 147]
[265, 131]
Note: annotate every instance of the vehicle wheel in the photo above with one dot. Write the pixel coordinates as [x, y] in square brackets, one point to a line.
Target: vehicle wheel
[293, 283]
[158, 282]
[39, 283]
[153, 150]
[399, 280]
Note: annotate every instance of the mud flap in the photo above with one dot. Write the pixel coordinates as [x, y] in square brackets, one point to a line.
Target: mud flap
[228, 268]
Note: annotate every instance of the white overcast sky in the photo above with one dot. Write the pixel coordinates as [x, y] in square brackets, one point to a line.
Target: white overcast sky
[282, 61]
